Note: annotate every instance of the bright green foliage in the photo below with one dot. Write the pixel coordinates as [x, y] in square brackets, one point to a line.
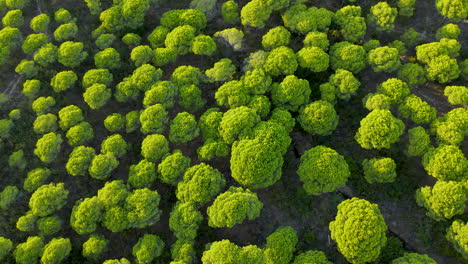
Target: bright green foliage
[412, 73]
[312, 256]
[148, 248]
[347, 56]
[203, 45]
[395, 89]
[444, 200]
[33, 42]
[142, 174]
[384, 59]
[132, 121]
[419, 111]
[261, 104]
[142, 207]
[313, 58]
[114, 122]
[153, 119]
[36, 178]
[63, 81]
[457, 95]
[56, 250]
[40, 23]
[257, 81]
[162, 92]
[47, 199]
[105, 41]
[276, 37]
[80, 134]
[322, 170]
[255, 13]
[230, 12]
[186, 75]
[317, 39]
[115, 219]
[383, 16]
[79, 160]
[301, 19]
[94, 247]
[13, 18]
[31, 89]
[163, 56]
[157, 36]
[419, 141]
[442, 69]
[94, 6]
[42, 105]
[10, 37]
[359, 230]
[255, 60]
[126, 91]
[182, 252]
[353, 25]
[85, 215]
[406, 7]
[376, 101]
[114, 144]
[63, 16]
[180, 17]
[237, 123]
[318, 118]
[145, 76]
[27, 222]
[212, 149]
[209, 123]
[450, 31]
[457, 236]
[112, 19]
[345, 83]
[29, 252]
[46, 55]
[379, 129]
[65, 32]
[48, 147]
[223, 70]
[255, 163]
[172, 167]
[371, 44]
[26, 68]
[399, 45]
[184, 128]
[71, 54]
[113, 194]
[97, 95]
[50, 225]
[232, 94]
[200, 184]
[273, 134]
[184, 221]
[154, 147]
[455, 10]
[15, 114]
[379, 170]
[107, 59]
[45, 124]
[225, 252]
[117, 261]
[102, 166]
[5, 247]
[233, 207]
[141, 55]
[190, 98]
[291, 93]
[414, 258]
[281, 61]
[8, 196]
[284, 118]
[281, 245]
[446, 163]
[17, 160]
[180, 39]
[70, 116]
[232, 37]
[133, 12]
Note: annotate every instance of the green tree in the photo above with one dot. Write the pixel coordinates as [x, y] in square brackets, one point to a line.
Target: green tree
[5, 247]
[17, 160]
[180, 39]
[27, 222]
[291, 93]
[419, 111]
[43, 105]
[97, 95]
[132, 121]
[379, 170]
[186, 75]
[384, 59]
[107, 59]
[31, 89]
[172, 167]
[200, 184]
[353, 25]
[63, 16]
[114, 144]
[255, 13]
[154, 119]
[444, 200]
[13, 18]
[8, 196]
[46, 55]
[102, 166]
[36, 178]
[85, 215]
[226, 252]
[223, 70]
[56, 250]
[281, 61]
[145, 76]
[97, 76]
[94, 6]
[413, 74]
[157, 36]
[395, 89]
[69, 116]
[379, 129]
[48, 226]
[79, 160]
[184, 221]
[142, 207]
[233, 207]
[345, 83]
[409, 258]
[317, 39]
[232, 94]
[117, 261]
[455, 10]
[376, 101]
[257, 81]
[112, 19]
[40, 23]
[311, 256]
[347, 56]
[27, 68]
[457, 235]
[5, 127]
[71, 54]
[66, 32]
[113, 194]
[313, 58]
[209, 123]
[141, 55]
[191, 98]
[48, 198]
[318, 118]
[406, 7]
[114, 122]
[148, 248]
[80, 134]
[29, 251]
[133, 12]
[94, 247]
[162, 92]
[281, 245]
[33, 42]
[154, 147]
[231, 37]
[63, 81]
[184, 128]
[457, 95]
[276, 37]
[446, 163]
[230, 12]
[237, 123]
[419, 141]
[203, 45]
[451, 31]
[142, 174]
[382, 16]
[179, 17]
[301, 19]
[442, 69]
[359, 230]
[48, 147]
[105, 41]
[163, 56]
[451, 128]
